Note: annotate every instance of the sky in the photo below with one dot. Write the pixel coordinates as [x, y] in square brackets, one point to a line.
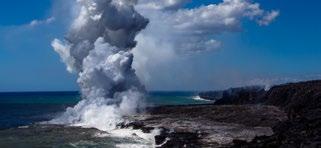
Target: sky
[287, 49]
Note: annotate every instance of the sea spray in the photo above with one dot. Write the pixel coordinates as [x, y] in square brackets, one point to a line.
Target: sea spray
[98, 48]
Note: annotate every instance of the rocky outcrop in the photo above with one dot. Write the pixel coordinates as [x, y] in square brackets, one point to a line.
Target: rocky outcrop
[297, 99]
[235, 96]
[208, 125]
[302, 103]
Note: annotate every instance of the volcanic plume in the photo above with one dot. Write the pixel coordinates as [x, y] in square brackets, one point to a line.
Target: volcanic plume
[98, 48]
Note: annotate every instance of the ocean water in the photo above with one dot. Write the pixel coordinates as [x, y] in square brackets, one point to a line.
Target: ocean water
[21, 113]
[26, 108]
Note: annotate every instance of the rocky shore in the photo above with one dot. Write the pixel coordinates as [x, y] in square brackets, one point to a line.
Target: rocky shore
[287, 115]
[208, 125]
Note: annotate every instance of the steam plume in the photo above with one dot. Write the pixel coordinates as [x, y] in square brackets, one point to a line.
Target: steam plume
[98, 48]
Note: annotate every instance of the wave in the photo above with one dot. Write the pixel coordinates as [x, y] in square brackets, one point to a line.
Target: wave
[198, 98]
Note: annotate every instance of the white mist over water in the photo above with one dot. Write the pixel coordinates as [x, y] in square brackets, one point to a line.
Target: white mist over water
[98, 48]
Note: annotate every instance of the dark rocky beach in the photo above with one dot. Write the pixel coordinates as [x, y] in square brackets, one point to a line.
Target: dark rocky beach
[287, 115]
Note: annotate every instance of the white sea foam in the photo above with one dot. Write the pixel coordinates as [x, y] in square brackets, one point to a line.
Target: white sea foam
[198, 98]
[144, 139]
[139, 135]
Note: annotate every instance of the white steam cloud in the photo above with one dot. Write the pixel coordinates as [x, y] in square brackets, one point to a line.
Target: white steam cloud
[98, 48]
[177, 30]
[39, 22]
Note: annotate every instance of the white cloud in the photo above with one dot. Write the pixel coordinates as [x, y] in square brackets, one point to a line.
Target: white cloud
[193, 29]
[176, 30]
[162, 4]
[268, 18]
[39, 22]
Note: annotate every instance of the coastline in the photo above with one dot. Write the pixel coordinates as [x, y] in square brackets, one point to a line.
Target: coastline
[286, 115]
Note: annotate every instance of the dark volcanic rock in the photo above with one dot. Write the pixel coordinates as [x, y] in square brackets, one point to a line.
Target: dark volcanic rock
[209, 125]
[235, 96]
[177, 139]
[230, 120]
[249, 115]
[302, 102]
[298, 99]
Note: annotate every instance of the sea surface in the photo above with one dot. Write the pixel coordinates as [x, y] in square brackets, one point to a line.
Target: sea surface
[21, 115]
[25, 108]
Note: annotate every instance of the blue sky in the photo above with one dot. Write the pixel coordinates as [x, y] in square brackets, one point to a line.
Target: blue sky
[16, 12]
[289, 47]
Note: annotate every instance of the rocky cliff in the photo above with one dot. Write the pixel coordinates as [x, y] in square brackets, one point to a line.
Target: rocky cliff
[302, 103]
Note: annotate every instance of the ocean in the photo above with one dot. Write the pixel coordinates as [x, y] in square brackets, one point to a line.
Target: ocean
[25, 108]
[23, 117]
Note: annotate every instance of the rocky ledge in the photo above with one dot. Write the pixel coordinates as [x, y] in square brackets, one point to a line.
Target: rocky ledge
[208, 125]
[287, 115]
